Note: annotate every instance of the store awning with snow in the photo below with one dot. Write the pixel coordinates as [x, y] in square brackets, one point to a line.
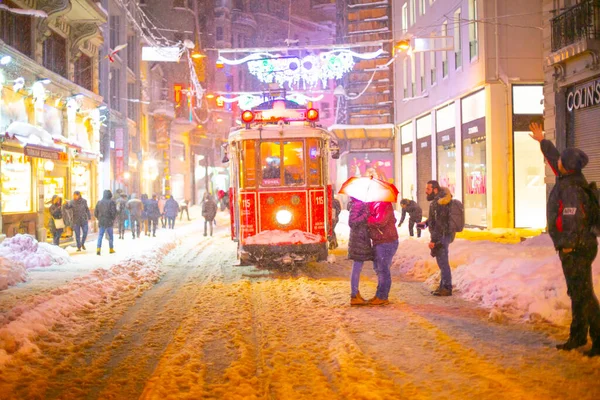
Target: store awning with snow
[378, 131]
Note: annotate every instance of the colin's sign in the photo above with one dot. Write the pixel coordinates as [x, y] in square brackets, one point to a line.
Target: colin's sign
[584, 96]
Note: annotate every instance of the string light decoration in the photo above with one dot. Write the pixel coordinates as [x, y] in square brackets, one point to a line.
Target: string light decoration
[248, 101]
[307, 71]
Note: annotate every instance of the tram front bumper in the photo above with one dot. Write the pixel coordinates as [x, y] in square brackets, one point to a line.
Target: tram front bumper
[287, 253]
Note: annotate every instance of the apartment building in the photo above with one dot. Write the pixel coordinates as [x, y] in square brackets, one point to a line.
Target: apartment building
[465, 92]
[50, 109]
[572, 78]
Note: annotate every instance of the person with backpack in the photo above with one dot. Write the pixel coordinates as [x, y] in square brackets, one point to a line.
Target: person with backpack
[441, 233]
[121, 214]
[415, 215]
[105, 212]
[573, 216]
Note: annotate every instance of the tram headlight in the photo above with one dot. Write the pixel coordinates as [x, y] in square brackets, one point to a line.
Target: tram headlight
[283, 217]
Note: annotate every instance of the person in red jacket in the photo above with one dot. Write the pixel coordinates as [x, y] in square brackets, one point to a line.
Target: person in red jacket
[383, 233]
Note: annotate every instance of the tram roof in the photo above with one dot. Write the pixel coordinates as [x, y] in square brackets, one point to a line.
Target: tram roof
[278, 132]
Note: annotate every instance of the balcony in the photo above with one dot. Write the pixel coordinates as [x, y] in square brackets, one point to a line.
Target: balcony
[576, 23]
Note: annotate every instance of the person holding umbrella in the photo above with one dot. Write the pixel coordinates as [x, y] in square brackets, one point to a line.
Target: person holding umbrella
[381, 224]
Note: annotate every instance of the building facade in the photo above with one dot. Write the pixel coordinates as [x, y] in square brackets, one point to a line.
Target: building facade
[466, 90]
[50, 109]
[572, 78]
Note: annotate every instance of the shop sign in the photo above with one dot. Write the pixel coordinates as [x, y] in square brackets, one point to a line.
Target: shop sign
[474, 129]
[45, 152]
[585, 96]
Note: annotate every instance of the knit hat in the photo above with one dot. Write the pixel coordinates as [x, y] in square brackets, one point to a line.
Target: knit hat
[573, 159]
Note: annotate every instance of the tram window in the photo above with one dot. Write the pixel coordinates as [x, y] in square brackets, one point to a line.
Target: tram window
[314, 161]
[248, 164]
[293, 162]
[270, 163]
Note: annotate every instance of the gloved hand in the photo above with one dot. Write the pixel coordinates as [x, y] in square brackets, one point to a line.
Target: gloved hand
[400, 224]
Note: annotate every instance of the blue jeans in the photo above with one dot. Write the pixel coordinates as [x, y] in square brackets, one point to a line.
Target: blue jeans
[79, 238]
[355, 277]
[441, 256]
[384, 253]
[56, 236]
[171, 221]
[109, 232]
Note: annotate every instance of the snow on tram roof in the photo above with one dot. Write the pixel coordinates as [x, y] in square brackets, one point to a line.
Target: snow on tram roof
[278, 132]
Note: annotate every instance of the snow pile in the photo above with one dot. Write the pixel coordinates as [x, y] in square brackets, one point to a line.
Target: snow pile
[23, 323]
[278, 237]
[523, 281]
[22, 252]
[27, 250]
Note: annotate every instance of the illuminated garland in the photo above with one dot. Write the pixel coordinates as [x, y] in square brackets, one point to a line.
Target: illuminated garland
[249, 101]
[308, 71]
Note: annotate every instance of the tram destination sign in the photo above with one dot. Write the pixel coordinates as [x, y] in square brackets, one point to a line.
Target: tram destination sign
[587, 95]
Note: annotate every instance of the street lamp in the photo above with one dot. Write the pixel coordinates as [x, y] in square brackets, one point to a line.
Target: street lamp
[402, 45]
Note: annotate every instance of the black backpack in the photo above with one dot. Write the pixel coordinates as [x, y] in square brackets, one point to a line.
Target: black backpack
[593, 213]
[456, 216]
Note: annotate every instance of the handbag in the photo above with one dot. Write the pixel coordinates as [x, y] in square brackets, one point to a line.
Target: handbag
[59, 223]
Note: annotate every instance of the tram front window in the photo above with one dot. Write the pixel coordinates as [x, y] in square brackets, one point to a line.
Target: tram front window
[273, 165]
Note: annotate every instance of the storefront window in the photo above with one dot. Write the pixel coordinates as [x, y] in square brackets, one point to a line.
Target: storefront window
[474, 159]
[446, 146]
[54, 180]
[408, 162]
[16, 183]
[529, 175]
[81, 179]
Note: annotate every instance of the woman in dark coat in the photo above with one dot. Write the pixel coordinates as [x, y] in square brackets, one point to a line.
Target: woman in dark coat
[359, 246]
[56, 213]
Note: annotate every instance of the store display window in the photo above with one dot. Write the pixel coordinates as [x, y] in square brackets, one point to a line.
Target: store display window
[81, 179]
[16, 183]
[445, 122]
[408, 162]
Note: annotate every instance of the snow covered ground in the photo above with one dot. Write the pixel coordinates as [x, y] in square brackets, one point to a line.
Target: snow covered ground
[179, 319]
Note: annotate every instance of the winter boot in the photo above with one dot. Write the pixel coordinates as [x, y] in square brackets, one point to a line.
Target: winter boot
[442, 292]
[112, 251]
[98, 251]
[595, 351]
[571, 344]
[358, 300]
[79, 249]
[376, 301]
[83, 247]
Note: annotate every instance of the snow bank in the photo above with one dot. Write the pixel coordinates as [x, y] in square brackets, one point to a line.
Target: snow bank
[522, 281]
[23, 323]
[22, 252]
[277, 237]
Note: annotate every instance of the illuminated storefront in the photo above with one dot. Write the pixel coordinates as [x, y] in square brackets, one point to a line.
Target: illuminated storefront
[17, 181]
[408, 162]
[446, 146]
[423, 160]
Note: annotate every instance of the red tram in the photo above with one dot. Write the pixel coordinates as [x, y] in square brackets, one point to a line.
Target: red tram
[280, 193]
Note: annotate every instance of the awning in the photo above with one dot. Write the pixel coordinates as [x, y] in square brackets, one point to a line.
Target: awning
[28, 134]
[378, 131]
[60, 139]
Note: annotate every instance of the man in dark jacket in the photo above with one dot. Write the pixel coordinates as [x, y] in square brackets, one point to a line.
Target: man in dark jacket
[106, 212]
[415, 215]
[81, 216]
[441, 236]
[121, 214]
[568, 217]
[359, 246]
[209, 212]
[171, 211]
[153, 213]
[136, 208]
[383, 233]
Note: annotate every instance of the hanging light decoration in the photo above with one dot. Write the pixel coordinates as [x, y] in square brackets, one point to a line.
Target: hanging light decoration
[307, 71]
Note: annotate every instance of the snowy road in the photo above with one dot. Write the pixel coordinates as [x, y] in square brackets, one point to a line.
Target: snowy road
[208, 329]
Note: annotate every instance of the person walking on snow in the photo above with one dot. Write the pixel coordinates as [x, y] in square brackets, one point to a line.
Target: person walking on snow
[441, 234]
[145, 225]
[359, 246]
[56, 214]
[81, 216]
[171, 211]
[121, 214]
[161, 207]
[415, 215]
[209, 212]
[106, 213]
[153, 214]
[383, 233]
[569, 215]
[136, 208]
